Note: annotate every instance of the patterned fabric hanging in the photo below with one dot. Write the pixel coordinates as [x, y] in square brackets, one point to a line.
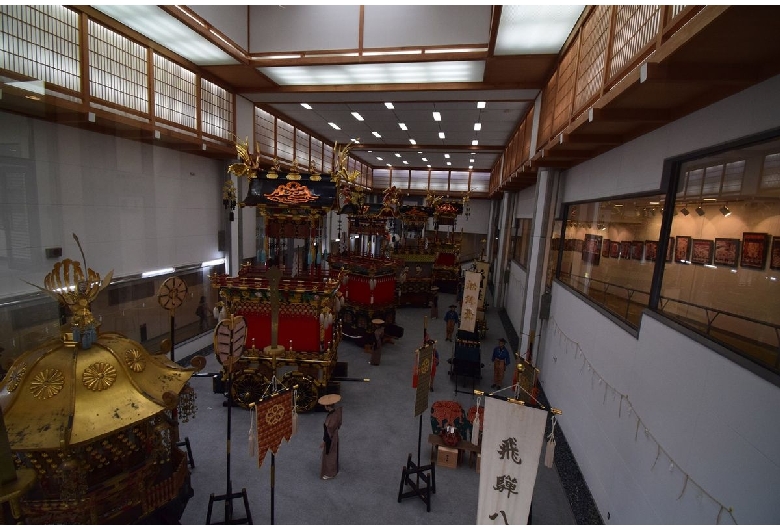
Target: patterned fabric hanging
[274, 422]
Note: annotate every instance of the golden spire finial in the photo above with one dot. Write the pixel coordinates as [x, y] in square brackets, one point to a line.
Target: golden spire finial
[68, 284]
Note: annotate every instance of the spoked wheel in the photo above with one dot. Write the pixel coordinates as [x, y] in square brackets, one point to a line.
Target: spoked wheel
[248, 387]
[308, 392]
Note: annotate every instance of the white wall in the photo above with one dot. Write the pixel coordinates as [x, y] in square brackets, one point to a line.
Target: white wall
[134, 207]
[664, 429]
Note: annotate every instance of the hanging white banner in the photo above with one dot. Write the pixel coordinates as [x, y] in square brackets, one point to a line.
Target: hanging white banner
[468, 314]
[511, 444]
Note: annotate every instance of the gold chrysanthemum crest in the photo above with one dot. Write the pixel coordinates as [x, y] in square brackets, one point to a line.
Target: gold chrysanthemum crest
[99, 376]
[134, 360]
[47, 384]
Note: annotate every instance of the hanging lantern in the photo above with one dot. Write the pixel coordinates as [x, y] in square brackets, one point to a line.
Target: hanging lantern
[187, 406]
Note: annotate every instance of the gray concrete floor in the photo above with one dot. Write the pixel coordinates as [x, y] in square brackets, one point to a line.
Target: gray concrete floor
[379, 432]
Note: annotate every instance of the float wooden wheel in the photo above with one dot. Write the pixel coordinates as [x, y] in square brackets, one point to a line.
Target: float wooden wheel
[248, 387]
[308, 390]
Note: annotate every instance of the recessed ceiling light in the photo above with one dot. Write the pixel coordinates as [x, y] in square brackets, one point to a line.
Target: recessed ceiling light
[405, 162]
[446, 155]
[437, 116]
[449, 163]
[398, 155]
[471, 160]
[379, 158]
[389, 165]
[306, 106]
[357, 116]
[389, 105]
[412, 141]
[376, 134]
[402, 126]
[419, 152]
[370, 151]
[424, 159]
[480, 104]
[429, 165]
[353, 140]
[471, 167]
[441, 135]
[474, 142]
[334, 125]
[477, 126]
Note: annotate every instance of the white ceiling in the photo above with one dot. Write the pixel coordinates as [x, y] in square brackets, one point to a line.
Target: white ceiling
[416, 88]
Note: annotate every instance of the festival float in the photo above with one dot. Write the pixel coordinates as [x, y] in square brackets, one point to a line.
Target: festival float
[292, 327]
[92, 420]
[368, 287]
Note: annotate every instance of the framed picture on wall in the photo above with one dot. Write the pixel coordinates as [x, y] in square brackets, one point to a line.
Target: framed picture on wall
[614, 249]
[605, 248]
[670, 250]
[682, 249]
[726, 251]
[591, 249]
[637, 250]
[625, 249]
[774, 260]
[651, 250]
[702, 251]
[754, 250]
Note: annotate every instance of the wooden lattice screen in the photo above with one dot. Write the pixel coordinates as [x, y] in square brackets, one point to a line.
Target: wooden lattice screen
[216, 110]
[175, 97]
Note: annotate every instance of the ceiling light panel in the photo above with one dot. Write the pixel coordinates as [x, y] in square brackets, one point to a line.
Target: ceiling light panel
[535, 29]
[437, 116]
[357, 116]
[386, 73]
[157, 25]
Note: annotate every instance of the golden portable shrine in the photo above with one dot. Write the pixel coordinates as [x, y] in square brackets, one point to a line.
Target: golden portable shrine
[94, 417]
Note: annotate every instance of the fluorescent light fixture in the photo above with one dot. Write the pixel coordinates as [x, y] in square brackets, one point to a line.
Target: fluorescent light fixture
[405, 162]
[471, 160]
[429, 165]
[379, 158]
[471, 167]
[394, 52]
[334, 125]
[376, 134]
[389, 165]
[710, 199]
[474, 142]
[190, 16]
[353, 140]
[306, 106]
[281, 57]
[441, 135]
[402, 126]
[213, 262]
[535, 29]
[158, 272]
[480, 104]
[654, 203]
[389, 105]
[424, 159]
[449, 163]
[477, 126]
[457, 50]
[398, 155]
[437, 116]
[412, 141]
[446, 155]
[357, 116]
[376, 74]
[419, 152]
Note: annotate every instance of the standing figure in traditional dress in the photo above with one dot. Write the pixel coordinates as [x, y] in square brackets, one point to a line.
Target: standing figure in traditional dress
[434, 302]
[330, 439]
[500, 360]
[450, 319]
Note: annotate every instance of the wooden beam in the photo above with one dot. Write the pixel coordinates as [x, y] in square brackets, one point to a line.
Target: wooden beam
[584, 138]
[627, 114]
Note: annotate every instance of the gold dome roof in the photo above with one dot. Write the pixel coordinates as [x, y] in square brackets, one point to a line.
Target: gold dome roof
[60, 394]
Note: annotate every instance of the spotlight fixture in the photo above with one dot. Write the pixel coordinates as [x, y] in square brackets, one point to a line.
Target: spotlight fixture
[684, 210]
[700, 210]
[725, 211]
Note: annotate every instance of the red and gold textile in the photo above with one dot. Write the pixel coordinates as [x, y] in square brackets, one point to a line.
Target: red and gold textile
[274, 423]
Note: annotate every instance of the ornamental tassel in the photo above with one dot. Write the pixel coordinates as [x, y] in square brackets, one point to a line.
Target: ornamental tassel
[252, 431]
[295, 413]
[476, 425]
[549, 450]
